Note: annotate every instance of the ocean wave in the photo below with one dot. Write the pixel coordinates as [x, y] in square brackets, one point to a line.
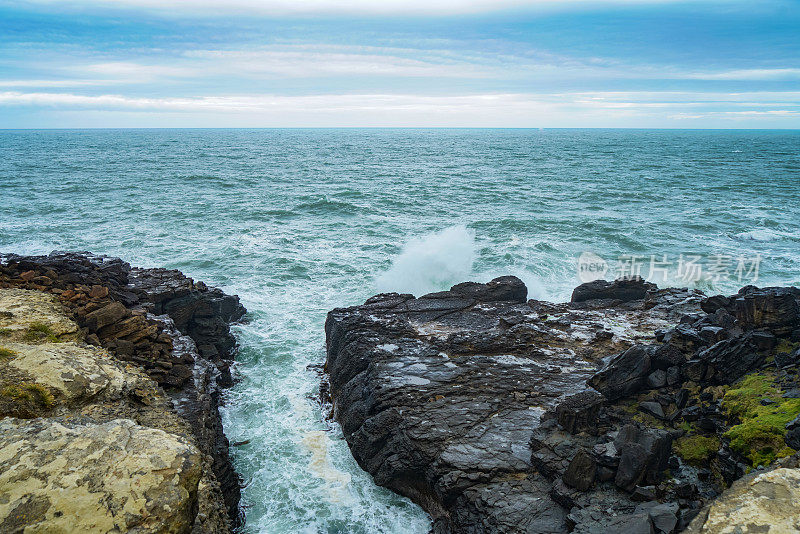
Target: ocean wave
[766, 234]
[326, 206]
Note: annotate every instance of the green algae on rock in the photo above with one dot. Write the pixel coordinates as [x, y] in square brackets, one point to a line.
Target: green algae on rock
[756, 402]
[697, 449]
[25, 400]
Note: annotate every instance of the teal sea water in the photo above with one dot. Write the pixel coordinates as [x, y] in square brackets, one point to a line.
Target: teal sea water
[300, 221]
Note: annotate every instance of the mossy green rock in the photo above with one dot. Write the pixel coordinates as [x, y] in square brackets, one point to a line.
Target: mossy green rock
[763, 413]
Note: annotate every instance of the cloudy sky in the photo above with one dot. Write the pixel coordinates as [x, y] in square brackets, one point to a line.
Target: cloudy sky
[504, 63]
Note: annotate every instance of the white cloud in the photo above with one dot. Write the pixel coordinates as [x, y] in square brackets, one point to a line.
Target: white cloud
[371, 7]
[451, 60]
[136, 72]
[502, 109]
[52, 83]
[748, 75]
[296, 61]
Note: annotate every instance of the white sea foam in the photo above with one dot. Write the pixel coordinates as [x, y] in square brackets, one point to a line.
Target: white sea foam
[764, 234]
[316, 441]
[431, 262]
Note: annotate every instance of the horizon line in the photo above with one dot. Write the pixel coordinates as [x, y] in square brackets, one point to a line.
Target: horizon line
[789, 129]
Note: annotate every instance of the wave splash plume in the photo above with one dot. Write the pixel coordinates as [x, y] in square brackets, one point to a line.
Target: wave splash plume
[432, 262]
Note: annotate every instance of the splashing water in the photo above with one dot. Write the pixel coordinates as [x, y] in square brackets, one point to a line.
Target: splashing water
[432, 262]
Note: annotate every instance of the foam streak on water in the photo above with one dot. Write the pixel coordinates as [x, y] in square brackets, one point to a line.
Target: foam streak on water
[300, 221]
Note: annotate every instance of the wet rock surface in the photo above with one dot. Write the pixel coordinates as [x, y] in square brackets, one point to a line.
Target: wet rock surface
[90, 337]
[626, 410]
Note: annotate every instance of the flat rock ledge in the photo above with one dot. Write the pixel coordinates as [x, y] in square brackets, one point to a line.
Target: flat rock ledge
[110, 380]
[627, 410]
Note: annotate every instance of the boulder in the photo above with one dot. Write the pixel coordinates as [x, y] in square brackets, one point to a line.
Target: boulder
[666, 356]
[622, 289]
[775, 308]
[664, 516]
[501, 289]
[792, 437]
[578, 413]
[624, 374]
[657, 379]
[673, 376]
[730, 359]
[714, 303]
[581, 471]
[644, 455]
[629, 524]
[643, 493]
[652, 408]
[632, 466]
[107, 315]
[684, 337]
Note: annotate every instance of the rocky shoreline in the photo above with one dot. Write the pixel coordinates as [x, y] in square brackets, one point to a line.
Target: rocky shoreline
[114, 371]
[631, 409]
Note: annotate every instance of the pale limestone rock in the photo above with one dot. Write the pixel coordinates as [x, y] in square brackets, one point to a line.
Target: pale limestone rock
[20, 308]
[766, 503]
[71, 371]
[114, 477]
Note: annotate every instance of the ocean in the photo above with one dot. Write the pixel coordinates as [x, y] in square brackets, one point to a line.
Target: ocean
[298, 222]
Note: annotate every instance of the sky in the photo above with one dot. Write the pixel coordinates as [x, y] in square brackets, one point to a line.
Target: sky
[400, 63]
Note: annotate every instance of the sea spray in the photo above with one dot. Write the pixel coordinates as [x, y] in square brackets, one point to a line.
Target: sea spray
[432, 262]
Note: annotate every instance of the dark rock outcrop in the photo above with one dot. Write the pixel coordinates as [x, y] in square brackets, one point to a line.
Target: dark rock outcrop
[474, 403]
[625, 374]
[177, 330]
[620, 290]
